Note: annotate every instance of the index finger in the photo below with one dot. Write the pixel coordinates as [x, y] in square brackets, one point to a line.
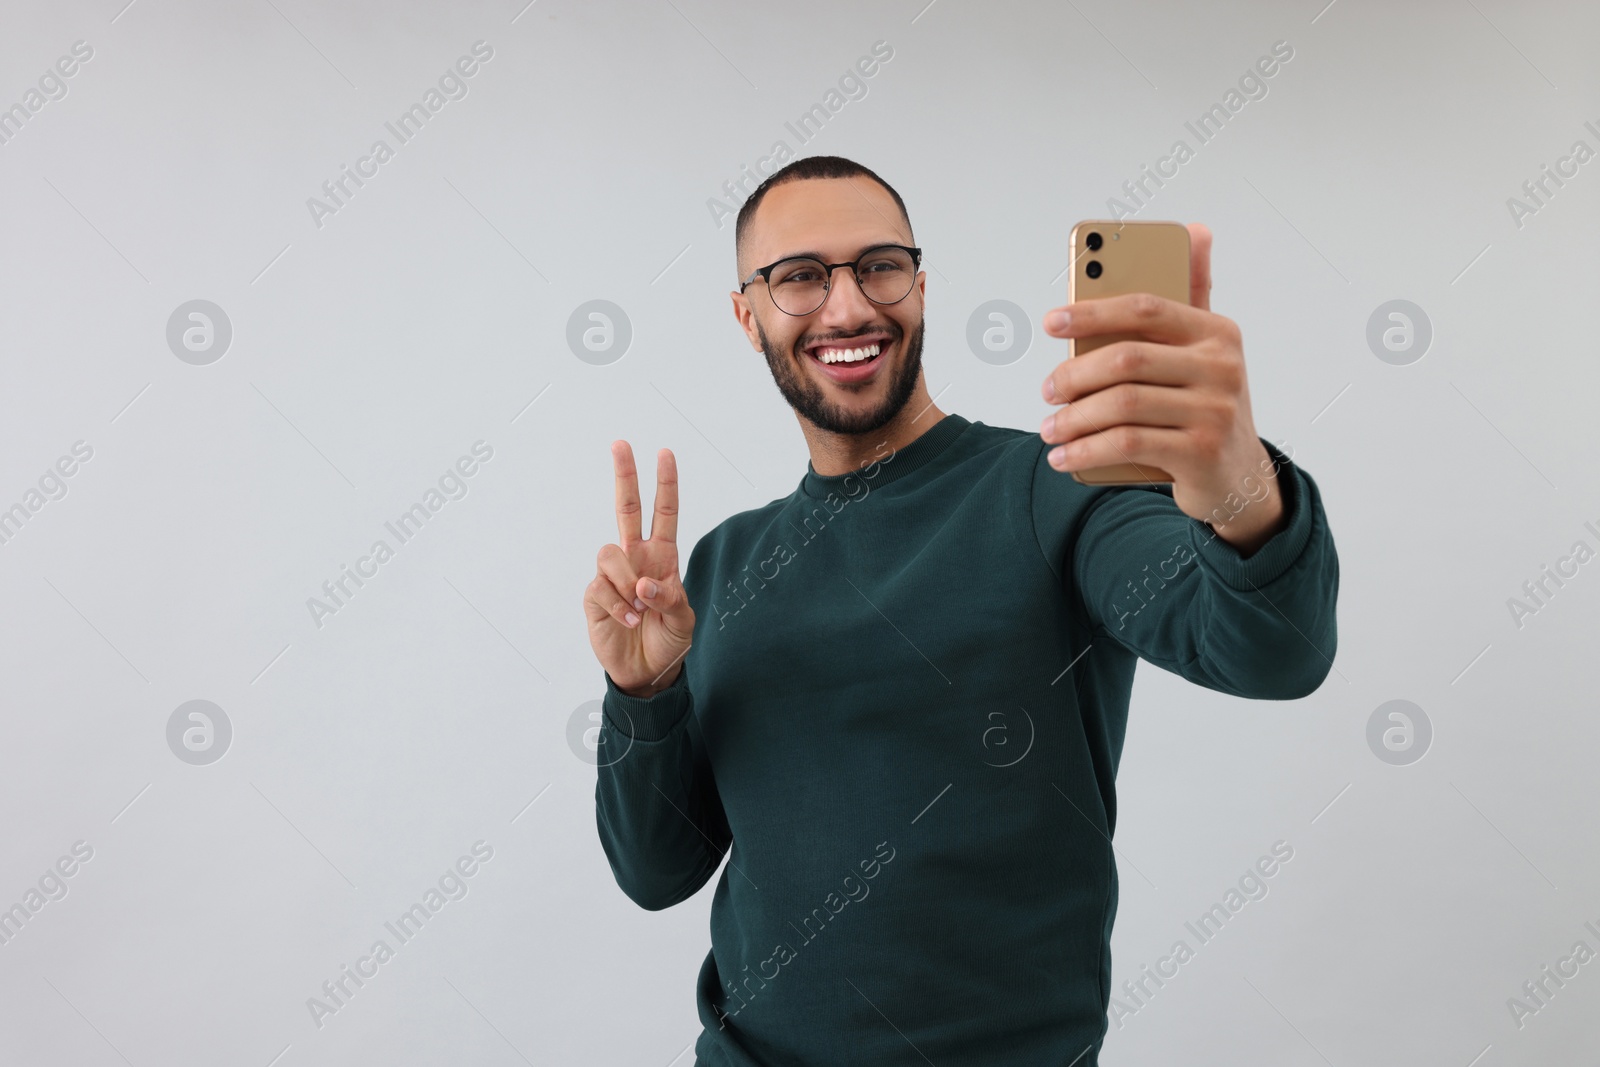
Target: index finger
[627, 494]
[664, 523]
[1144, 315]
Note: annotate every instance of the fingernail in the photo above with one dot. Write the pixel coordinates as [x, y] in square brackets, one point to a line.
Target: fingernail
[1058, 456]
[631, 619]
[1058, 320]
[1050, 390]
[1046, 426]
[638, 603]
[650, 591]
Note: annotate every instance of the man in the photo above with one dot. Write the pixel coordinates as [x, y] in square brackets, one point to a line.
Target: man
[908, 691]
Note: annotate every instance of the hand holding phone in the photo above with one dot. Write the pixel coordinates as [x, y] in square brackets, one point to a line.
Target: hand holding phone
[1111, 258]
[1156, 384]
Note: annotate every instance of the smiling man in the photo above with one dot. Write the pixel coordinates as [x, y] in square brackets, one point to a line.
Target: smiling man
[901, 719]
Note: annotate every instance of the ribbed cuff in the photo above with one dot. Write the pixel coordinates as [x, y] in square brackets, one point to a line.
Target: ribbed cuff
[1281, 550]
[647, 718]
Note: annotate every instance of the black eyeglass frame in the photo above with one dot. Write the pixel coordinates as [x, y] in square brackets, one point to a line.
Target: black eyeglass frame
[765, 274]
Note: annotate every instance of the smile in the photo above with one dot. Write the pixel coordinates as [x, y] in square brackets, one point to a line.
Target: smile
[856, 360]
[832, 354]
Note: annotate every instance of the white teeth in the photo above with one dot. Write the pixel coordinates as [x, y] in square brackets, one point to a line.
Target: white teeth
[848, 355]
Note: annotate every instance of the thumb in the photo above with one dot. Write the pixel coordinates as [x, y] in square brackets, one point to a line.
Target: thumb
[1200, 266]
[667, 596]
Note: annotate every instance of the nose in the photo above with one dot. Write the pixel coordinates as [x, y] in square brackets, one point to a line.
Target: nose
[846, 301]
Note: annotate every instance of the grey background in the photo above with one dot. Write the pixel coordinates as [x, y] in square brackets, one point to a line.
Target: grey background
[432, 711]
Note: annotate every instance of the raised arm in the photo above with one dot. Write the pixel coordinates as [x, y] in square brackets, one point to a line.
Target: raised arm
[1228, 576]
[1166, 587]
[660, 820]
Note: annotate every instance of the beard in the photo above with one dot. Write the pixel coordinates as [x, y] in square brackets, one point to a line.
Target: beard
[802, 392]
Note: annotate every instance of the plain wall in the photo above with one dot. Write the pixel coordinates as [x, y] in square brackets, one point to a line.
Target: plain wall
[371, 347]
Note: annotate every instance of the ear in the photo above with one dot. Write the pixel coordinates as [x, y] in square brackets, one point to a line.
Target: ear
[746, 317]
[1200, 266]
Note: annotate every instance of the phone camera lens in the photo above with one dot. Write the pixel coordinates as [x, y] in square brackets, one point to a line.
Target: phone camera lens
[1094, 241]
[1093, 269]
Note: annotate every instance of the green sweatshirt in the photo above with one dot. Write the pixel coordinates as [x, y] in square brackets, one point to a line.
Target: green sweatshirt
[900, 721]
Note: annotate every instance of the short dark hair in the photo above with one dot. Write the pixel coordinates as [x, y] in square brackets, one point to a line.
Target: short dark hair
[800, 170]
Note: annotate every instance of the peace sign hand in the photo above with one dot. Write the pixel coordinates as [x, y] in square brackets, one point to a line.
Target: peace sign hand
[640, 621]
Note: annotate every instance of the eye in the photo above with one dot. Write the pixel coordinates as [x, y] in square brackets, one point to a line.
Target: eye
[798, 274]
[886, 261]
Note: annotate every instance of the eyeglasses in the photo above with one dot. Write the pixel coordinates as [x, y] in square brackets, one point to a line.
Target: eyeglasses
[800, 284]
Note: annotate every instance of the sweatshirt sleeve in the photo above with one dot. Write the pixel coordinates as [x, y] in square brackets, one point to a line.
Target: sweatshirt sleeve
[661, 822]
[1163, 585]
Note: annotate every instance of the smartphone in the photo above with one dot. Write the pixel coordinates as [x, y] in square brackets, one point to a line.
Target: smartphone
[1110, 258]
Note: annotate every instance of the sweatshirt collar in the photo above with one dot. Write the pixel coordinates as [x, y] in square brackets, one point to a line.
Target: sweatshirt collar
[891, 466]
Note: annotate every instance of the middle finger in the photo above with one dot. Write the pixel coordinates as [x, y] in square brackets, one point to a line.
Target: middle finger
[1128, 403]
[1124, 361]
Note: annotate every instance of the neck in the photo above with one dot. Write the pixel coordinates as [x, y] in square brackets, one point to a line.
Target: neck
[840, 453]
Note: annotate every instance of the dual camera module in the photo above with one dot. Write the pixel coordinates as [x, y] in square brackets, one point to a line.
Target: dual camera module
[1093, 241]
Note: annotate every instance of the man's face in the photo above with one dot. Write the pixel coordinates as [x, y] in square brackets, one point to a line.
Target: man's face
[836, 219]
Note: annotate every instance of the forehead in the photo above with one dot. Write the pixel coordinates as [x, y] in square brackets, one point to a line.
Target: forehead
[836, 217]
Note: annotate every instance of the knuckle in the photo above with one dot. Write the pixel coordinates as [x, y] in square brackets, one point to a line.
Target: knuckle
[1130, 358]
[1128, 397]
[1223, 412]
[1127, 438]
[1145, 305]
[1230, 372]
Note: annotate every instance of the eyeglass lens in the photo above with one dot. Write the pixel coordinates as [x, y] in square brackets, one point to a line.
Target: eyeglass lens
[799, 286]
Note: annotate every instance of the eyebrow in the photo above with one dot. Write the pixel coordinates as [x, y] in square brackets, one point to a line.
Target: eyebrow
[819, 256]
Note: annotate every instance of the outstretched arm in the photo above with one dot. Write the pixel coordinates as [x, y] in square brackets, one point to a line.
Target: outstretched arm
[1166, 587]
[1228, 576]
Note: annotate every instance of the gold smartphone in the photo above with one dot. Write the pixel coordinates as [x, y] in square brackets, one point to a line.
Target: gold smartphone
[1111, 258]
